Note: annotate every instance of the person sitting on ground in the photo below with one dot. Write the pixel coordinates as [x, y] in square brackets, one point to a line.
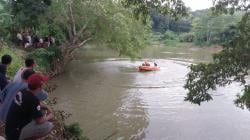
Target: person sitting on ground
[5, 62]
[29, 64]
[9, 92]
[25, 119]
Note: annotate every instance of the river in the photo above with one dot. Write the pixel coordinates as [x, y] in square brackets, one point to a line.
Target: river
[111, 99]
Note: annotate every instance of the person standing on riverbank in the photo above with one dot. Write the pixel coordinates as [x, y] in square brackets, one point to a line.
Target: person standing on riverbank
[25, 119]
[5, 62]
[29, 64]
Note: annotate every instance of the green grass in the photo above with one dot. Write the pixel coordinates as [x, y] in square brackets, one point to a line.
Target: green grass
[17, 60]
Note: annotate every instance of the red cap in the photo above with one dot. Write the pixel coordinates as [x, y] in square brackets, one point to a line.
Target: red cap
[37, 80]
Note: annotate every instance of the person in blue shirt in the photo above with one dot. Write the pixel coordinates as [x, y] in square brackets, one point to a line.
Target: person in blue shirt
[10, 91]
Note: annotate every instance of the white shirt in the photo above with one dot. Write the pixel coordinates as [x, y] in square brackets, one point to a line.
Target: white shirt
[18, 76]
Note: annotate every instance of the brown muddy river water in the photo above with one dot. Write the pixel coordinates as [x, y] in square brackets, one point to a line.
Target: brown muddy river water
[112, 100]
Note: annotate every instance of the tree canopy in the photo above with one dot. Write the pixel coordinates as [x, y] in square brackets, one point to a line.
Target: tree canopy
[25, 13]
[141, 8]
[231, 64]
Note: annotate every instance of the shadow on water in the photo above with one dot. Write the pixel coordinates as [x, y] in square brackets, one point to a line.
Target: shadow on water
[112, 100]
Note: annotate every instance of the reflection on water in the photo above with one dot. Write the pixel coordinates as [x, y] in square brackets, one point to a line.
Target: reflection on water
[111, 99]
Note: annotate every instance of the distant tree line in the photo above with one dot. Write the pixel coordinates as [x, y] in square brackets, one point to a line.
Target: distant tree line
[201, 27]
[161, 23]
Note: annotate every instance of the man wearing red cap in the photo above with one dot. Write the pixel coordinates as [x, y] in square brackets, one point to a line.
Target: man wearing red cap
[25, 119]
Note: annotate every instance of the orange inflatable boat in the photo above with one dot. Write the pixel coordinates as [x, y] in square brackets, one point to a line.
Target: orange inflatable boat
[148, 68]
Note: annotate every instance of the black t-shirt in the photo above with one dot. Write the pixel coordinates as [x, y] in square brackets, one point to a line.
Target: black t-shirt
[25, 107]
[3, 81]
[3, 69]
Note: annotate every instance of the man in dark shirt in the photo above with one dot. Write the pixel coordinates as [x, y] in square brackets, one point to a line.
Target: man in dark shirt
[25, 119]
[3, 82]
[5, 62]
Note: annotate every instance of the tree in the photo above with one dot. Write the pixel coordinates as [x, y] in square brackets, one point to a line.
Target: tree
[141, 8]
[208, 27]
[230, 6]
[231, 64]
[22, 15]
[26, 12]
[75, 23]
[161, 23]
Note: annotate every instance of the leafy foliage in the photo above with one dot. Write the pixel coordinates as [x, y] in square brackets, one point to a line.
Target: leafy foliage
[162, 23]
[44, 57]
[208, 27]
[228, 34]
[74, 131]
[141, 8]
[103, 22]
[26, 12]
[187, 37]
[19, 16]
[232, 64]
[230, 6]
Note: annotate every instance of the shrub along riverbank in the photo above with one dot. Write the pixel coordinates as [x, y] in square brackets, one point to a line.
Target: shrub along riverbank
[44, 58]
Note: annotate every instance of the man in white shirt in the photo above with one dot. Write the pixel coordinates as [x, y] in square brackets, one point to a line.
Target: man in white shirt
[29, 64]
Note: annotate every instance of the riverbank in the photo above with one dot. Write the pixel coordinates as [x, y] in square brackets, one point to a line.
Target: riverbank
[60, 130]
[57, 132]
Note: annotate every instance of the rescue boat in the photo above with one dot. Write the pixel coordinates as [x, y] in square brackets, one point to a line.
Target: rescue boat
[148, 68]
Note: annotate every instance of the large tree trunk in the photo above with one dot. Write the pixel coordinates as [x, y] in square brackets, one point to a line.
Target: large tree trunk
[57, 66]
[68, 48]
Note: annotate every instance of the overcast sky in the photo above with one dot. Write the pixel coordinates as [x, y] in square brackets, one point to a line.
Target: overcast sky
[198, 4]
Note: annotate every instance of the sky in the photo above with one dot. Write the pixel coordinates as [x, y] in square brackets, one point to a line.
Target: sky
[198, 4]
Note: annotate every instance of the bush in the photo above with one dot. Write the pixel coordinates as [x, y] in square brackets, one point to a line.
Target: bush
[74, 131]
[44, 57]
[169, 35]
[16, 60]
[187, 37]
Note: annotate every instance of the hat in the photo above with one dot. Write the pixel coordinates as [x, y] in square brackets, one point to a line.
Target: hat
[37, 80]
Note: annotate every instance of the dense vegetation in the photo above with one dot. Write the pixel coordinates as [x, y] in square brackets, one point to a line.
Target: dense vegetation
[201, 27]
[231, 64]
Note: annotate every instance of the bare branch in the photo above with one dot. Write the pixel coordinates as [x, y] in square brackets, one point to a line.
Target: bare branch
[82, 30]
[84, 42]
[73, 48]
[72, 19]
[69, 32]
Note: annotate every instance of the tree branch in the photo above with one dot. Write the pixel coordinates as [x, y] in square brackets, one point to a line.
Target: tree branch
[83, 42]
[82, 30]
[72, 49]
[72, 19]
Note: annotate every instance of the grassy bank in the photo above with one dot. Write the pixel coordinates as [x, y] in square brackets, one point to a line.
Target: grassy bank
[43, 56]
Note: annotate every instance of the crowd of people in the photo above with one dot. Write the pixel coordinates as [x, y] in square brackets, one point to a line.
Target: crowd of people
[28, 39]
[22, 106]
